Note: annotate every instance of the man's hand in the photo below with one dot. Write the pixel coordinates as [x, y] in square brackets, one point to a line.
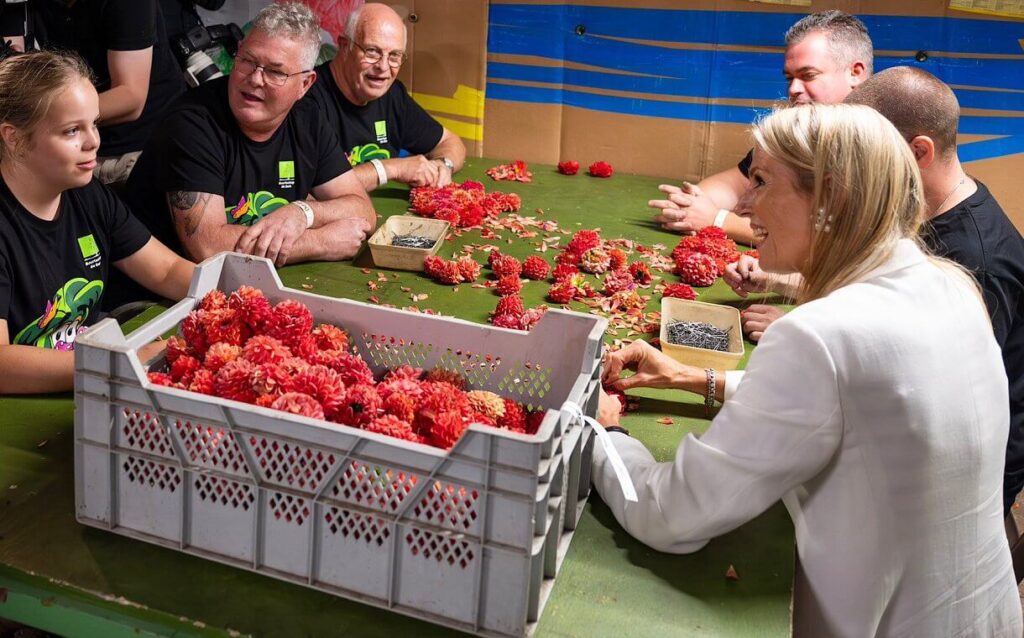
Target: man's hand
[687, 209]
[274, 235]
[757, 318]
[653, 368]
[745, 276]
[417, 170]
[342, 239]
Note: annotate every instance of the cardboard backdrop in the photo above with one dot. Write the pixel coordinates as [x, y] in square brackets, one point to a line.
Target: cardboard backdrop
[668, 88]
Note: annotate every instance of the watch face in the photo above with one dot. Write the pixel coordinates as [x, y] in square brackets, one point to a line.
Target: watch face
[448, 163]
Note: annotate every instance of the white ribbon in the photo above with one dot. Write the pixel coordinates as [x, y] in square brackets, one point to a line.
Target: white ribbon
[621, 473]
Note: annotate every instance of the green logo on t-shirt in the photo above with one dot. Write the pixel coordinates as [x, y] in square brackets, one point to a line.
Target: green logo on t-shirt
[367, 152]
[90, 251]
[286, 173]
[88, 246]
[380, 127]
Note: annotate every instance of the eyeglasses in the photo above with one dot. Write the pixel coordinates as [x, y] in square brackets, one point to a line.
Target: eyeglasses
[272, 77]
[373, 55]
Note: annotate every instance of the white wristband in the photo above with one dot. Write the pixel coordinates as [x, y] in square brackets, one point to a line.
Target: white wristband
[307, 210]
[382, 175]
[720, 218]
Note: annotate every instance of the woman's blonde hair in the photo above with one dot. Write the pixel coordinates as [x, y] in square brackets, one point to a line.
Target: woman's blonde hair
[29, 83]
[864, 184]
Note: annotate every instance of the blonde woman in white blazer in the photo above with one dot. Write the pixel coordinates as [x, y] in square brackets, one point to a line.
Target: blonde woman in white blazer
[876, 410]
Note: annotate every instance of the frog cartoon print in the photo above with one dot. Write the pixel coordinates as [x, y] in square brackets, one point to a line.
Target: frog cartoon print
[64, 317]
[253, 207]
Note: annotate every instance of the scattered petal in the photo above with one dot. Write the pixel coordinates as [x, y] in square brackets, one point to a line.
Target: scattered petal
[665, 420]
[731, 573]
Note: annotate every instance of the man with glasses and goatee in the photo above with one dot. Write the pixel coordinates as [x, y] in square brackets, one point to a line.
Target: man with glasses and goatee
[373, 114]
[233, 164]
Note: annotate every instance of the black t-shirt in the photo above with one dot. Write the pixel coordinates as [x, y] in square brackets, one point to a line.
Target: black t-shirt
[199, 148]
[978, 235]
[179, 17]
[53, 273]
[380, 129]
[94, 27]
[745, 163]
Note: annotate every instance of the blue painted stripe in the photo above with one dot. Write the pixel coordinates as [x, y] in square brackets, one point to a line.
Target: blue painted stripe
[971, 125]
[754, 28]
[732, 72]
[626, 105]
[737, 84]
[991, 148]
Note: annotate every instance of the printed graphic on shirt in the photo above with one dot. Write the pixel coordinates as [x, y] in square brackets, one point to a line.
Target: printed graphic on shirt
[90, 251]
[286, 174]
[380, 127]
[65, 316]
[367, 152]
[253, 207]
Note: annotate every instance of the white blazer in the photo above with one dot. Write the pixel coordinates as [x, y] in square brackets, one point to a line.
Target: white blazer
[879, 415]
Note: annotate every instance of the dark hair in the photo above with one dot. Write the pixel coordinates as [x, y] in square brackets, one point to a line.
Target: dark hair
[29, 83]
[847, 36]
[916, 102]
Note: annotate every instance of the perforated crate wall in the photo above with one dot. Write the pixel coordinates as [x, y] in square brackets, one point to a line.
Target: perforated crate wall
[360, 515]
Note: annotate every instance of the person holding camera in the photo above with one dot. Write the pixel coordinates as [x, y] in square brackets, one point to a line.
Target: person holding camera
[234, 162]
[373, 114]
[125, 44]
[62, 232]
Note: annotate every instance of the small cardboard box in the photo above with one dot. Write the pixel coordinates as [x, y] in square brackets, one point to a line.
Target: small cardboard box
[387, 256]
[724, 317]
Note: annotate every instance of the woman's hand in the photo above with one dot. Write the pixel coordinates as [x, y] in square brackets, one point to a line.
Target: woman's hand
[608, 409]
[653, 369]
[757, 318]
[745, 276]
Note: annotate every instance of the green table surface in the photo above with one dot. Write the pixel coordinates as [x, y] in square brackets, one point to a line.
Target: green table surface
[75, 580]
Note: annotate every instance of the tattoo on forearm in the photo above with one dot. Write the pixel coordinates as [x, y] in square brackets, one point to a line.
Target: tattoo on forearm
[181, 201]
[188, 206]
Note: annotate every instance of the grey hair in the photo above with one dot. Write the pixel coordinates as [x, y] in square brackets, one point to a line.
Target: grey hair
[847, 36]
[352, 25]
[293, 20]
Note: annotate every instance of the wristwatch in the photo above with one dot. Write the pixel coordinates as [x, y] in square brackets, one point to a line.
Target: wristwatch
[447, 162]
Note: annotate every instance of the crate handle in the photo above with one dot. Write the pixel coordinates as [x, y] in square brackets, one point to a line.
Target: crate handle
[621, 472]
[160, 324]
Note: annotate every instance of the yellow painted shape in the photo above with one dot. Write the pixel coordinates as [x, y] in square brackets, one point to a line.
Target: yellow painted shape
[467, 102]
[465, 130]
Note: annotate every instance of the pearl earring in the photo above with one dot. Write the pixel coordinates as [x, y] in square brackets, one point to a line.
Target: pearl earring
[823, 221]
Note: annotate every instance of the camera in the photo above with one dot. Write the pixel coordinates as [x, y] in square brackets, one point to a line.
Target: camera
[191, 48]
[17, 9]
[6, 50]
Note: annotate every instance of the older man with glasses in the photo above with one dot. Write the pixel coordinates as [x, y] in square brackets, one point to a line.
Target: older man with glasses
[233, 165]
[373, 114]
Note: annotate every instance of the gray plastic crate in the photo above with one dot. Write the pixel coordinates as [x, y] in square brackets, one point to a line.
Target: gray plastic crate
[469, 538]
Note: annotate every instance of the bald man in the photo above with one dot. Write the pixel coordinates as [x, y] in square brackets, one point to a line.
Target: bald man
[964, 223]
[373, 114]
